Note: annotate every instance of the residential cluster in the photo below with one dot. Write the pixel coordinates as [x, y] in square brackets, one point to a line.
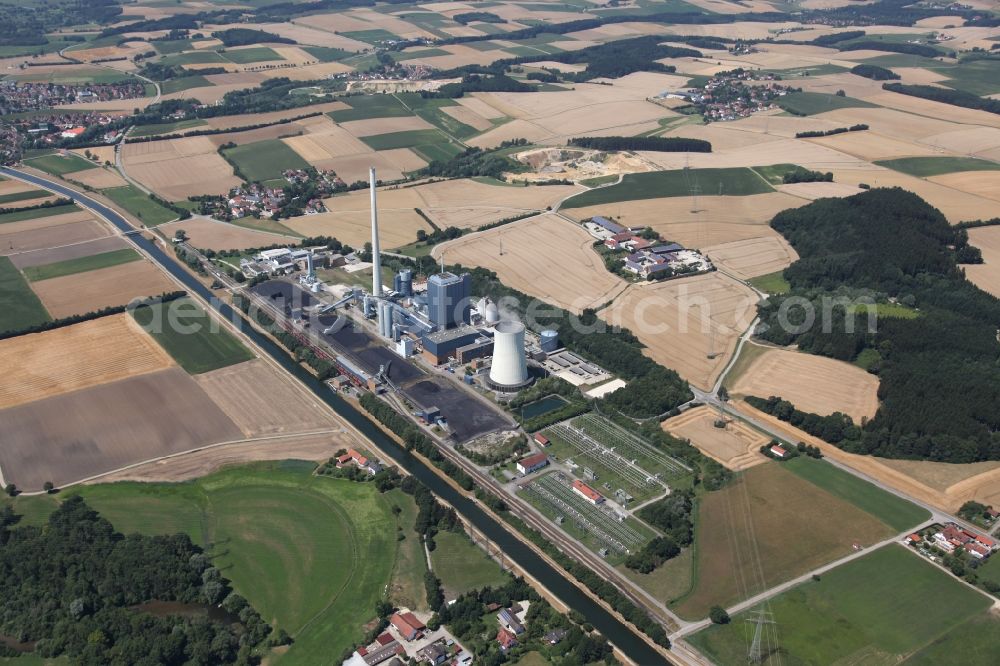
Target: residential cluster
[18, 96]
[303, 197]
[408, 640]
[646, 256]
[389, 71]
[55, 129]
[728, 95]
[953, 539]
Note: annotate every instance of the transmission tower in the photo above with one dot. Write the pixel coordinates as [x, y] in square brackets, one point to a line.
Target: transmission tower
[759, 619]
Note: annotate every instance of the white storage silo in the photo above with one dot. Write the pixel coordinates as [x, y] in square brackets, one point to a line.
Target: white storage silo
[549, 340]
[510, 365]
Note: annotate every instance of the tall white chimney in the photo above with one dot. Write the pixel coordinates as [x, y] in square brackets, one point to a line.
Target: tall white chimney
[376, 260]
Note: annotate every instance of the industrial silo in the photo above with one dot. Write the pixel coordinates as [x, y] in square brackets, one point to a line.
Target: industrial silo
[549, 340]
[510, 367]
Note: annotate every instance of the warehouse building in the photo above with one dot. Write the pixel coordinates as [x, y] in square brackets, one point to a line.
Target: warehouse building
[587, 493]
[529, 464]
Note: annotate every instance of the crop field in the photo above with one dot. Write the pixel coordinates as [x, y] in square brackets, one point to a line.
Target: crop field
[265, 160]
[75, 357]
[462, 566]
[922, 167]
[100, 178]
[60, 253]
[897, 513]
[102, 287]
[81, 264]
[871, 610]
[155, 414]
[735, 446]
[57, 165]
[418, 139]
[140, 205]
[596, 527]
[766, 527]
[808, 104]
[177, 126]
[581, 282]
[35, 213]
[690, 324]
[209, 347]
[178, 168]
[43, 233]
[263, 401]
[371, 106]
[252, 55]
[753, 257]
[16, 197]
[677, 183]
[393, 124]
[812, 383]
[19, 306]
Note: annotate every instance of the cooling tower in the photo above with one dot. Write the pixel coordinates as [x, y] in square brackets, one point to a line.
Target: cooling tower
[510, 368]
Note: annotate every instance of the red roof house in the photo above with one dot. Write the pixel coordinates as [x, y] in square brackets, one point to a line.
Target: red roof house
[506, 639]
[408, 626]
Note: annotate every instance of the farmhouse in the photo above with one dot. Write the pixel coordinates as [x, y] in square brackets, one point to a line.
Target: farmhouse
[778, 451]
[506, 639]
[541, 439]
[529, 464]
[587, 493]
[952, 537]
[364, 462]
[408, 626]
[508, 618]
[665, 260]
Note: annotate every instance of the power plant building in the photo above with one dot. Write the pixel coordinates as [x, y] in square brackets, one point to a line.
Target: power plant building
[478, 349]
[509, 371]
[442, 345]
[448, 300]
[402, 283]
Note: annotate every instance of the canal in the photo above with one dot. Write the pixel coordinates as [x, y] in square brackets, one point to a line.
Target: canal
[555, 580]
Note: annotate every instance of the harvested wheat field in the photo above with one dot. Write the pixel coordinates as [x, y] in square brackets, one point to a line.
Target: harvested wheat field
[396, 227]
[717, 220]
[209, 234]
[812, 383]
[873, 146]
[735, 446]
[745, 259]
[99, 178]
[784, 151]
[581, 280]
[690, 325]
[103, 154]
[177, 178]
[45, 232]
[263, 401]
[71, 437]
[303, 34]
[956, 205]
[40, 365]
[101, 288]
[326, 142]
[66, 252]
[981, 183]
[464, 114]
[820, 190]
[986, 275]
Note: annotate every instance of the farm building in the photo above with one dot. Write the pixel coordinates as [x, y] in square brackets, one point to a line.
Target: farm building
[508, 618]
[608, 225]
[778, 451]
[408, 626]
[587, 493]
[541, 439]
[952, 537]
[360, 460]
[529, 464]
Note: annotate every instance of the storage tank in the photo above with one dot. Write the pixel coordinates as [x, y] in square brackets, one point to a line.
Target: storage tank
[510, 365]
[385, 319]
[369, 305]
[549, 340]
[489, 311]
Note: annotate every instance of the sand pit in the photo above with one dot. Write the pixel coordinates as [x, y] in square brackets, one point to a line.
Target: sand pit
[986, 275]
[264, 401]
[373, 126]
[812, 383]
[69, 437]
[207, 234]
[65, 252]
[718, 220]
[101, 288]
[981, 183]
[99, 178]
[41, 365]
[581, 280]
[750, 258]
[736, 446]
[690, 325]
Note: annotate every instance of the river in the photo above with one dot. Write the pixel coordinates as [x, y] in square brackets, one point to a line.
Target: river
[624, 638]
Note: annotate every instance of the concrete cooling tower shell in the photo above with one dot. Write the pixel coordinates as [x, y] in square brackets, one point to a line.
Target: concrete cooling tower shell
[510, 366]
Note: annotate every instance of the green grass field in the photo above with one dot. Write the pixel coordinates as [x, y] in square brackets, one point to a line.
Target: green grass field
[140, 204]
[462, 566]
[373, 36]
[894, 511]
[408, 139]
[922, 167]
[81, 264]
[6, 199]
[738, 181]
[772, 283]
[875, 610]
[325, 53]
[775, 173]
[370, 106]
[177, 85]
[265, 160]
[19, 307]
[251, 55]
[808, 103]
[57, 165]
[35, 213]
[169, 128]
[208, 347]
[312, 554]
[169, 46]
[887, 310]
[599, 180]
[193, 58]
[440, 152]
[975, 642]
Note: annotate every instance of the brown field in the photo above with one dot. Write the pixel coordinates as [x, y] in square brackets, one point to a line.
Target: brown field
[44, 233]
[690, 325]
[65, 252]
[794, 525]
[182, 176]
[514, 129]
[718, 220]
[736, 446]
[582, 281]
[784, 151]
[933, 109]
[812, 191]
[209, 234]
[873, 146]
[300, 31]
[977, 142]
[746, 259]
[25, 203]
[228, 122]
[99, 178]
[103, 153]
[373, 126]
[41, 365]
[479, 107]
[15, 186]
[264, 401]
[812, 383]
[397, 227]
[104, 287]
[466, 115]
[986, 275]
[70, 437]
[326, 143]
[981, 183]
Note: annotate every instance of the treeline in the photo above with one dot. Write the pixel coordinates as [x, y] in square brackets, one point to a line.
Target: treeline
[471, 83]
[837, 37]
[892, 47]
[938, 373]
[834, 428]
[476, 162]
[673, 516]
[874, 72]
[247, 36]
[62, 322]
[470, 17]
[947, 96]
[800, 175]
[55, 203]
[616, 59]
[69, 588]
[860, 127]
[662, 144]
